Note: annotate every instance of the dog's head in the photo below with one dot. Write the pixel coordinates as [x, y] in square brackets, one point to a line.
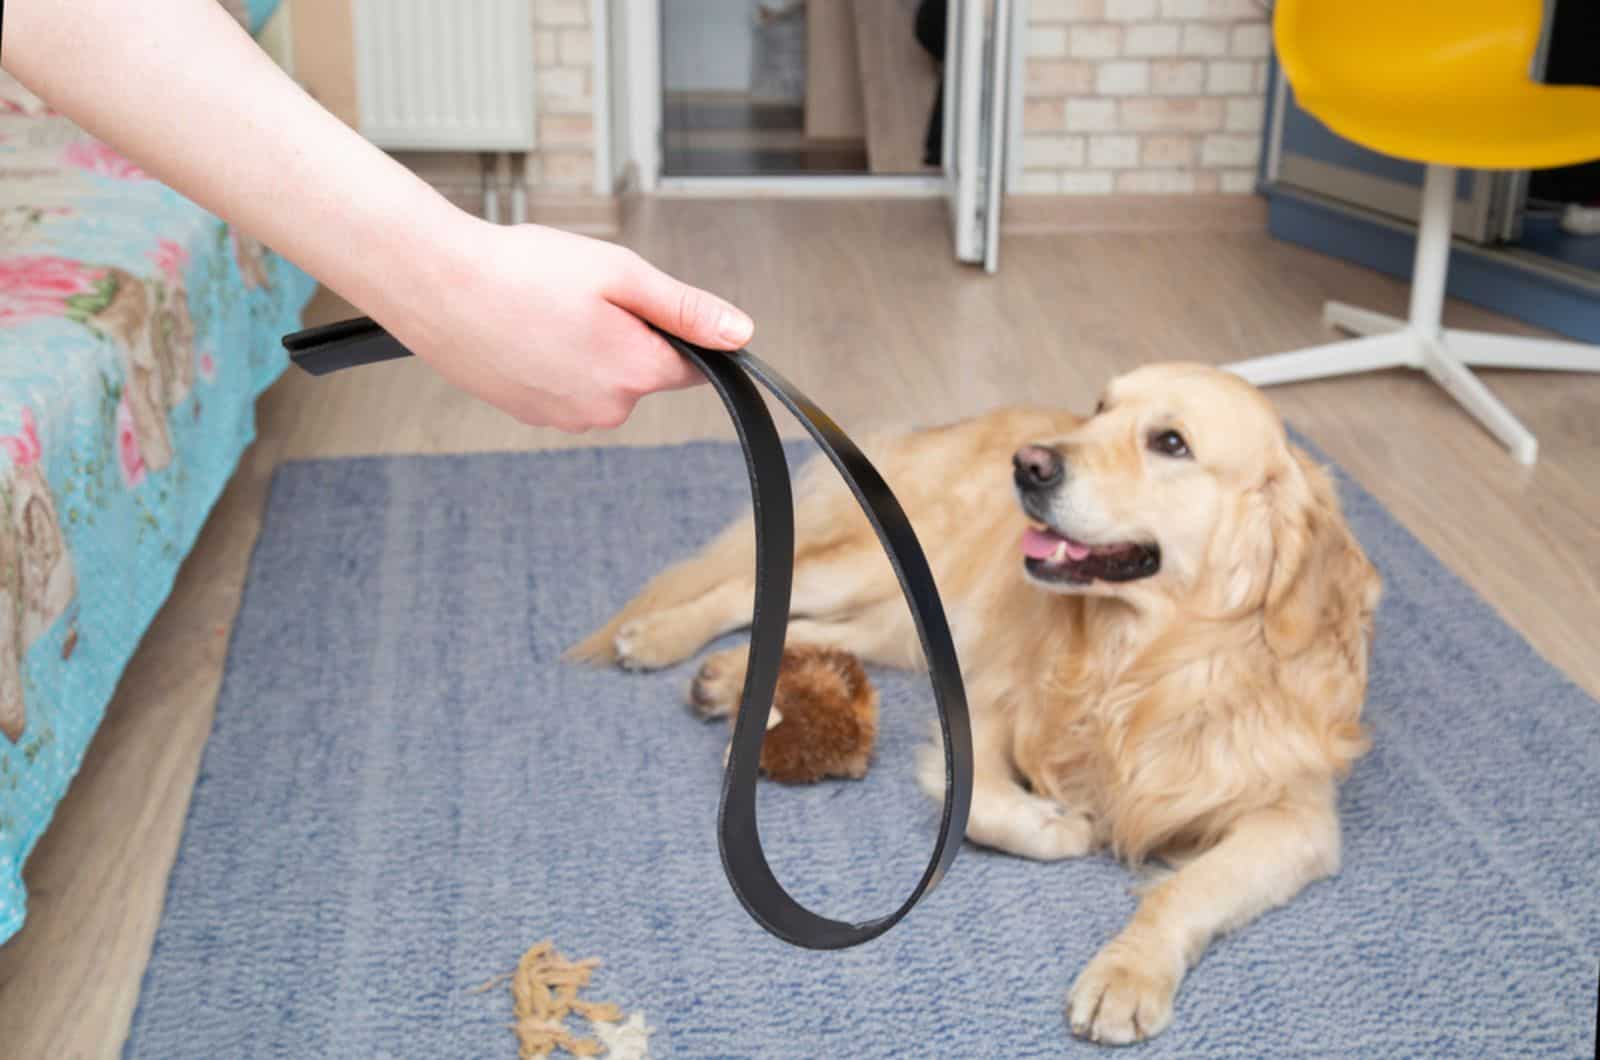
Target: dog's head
[1183, 483]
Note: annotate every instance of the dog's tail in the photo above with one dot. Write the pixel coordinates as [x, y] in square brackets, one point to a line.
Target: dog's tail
[679, 584]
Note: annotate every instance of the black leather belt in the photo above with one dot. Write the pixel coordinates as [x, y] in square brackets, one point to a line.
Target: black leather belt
[360, 341]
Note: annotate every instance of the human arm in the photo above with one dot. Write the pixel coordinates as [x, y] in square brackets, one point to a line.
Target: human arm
[543, 324]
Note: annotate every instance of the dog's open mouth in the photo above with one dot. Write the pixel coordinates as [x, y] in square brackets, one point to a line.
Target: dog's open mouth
[1055, 557]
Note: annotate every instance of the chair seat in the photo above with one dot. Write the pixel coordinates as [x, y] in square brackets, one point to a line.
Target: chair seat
[1526, 126]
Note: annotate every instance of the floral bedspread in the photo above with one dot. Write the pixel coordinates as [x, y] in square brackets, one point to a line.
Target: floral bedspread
[136, 331]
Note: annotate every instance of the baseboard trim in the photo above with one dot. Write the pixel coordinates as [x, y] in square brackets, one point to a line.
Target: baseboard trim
[1047, 214]
[1502, 281]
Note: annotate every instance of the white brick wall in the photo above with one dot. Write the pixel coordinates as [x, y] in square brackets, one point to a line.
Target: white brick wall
[1251, 41]
[1039, 182]
[1201, 38]
[1222, 10]
[1122, 78]
[1238, 181]
[1130, 10]
[1087, 183]
[1044, 115]
[1245, 115]
[1229, 78]
[1162, 97]
[1058, 77]
[1177, 77]
[1095, 42]
[1047, 40]
[1154, 39]
[1065, 10]
[1052, 152]
[1166, 151]
[1165, 182]
[1116, 151]
[576, 49]
[1090, 115]
[1224, 150]
[562, 12]
[564, 52]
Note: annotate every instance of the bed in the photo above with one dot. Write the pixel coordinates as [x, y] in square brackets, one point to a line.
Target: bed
[136, 331]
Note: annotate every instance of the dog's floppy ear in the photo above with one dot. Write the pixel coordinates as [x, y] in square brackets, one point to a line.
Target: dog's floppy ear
[1320, 584]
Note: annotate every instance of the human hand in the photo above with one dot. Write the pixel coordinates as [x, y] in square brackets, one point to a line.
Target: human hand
[542, 324]
[546, 325]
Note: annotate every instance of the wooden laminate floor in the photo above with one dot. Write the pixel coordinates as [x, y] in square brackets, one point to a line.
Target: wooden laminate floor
[861, 305]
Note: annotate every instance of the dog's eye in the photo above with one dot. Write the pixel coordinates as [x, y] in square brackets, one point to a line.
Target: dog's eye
[1169, 443]
[1100, 406]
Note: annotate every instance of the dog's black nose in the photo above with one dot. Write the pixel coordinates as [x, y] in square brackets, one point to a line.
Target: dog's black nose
[1036, 467]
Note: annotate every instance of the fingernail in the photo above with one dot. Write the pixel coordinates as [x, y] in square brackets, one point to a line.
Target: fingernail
[734, 327]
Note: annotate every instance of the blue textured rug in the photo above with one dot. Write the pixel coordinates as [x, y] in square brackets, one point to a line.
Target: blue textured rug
[406, 788]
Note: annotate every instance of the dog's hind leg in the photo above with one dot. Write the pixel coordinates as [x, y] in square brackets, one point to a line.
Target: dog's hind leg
[839, 570]
[704, 591]
[712, 594]
[881, 634]
[667, 637]
[839, 599]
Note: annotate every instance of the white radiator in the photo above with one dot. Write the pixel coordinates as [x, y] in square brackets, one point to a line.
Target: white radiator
[445, 75]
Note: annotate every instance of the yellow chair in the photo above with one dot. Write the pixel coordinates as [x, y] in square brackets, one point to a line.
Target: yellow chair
[1445, 83]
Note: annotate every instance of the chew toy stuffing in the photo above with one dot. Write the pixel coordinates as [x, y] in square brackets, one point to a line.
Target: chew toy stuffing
[824, 718]
[544, 991]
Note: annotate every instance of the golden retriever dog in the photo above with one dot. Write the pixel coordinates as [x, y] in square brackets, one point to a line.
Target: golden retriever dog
[1163, 621]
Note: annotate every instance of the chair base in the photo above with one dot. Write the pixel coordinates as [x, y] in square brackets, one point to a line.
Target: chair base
[1422, 343]
[1389, 342]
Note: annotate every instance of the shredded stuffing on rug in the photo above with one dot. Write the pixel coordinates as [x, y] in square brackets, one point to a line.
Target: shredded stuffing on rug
[544, 992]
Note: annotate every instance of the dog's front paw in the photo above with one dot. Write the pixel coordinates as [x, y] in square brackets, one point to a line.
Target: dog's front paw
[1024, 824]
[1007, 818]
[928, 765]
[1122, 997]
[652, 642]
[1060, 833]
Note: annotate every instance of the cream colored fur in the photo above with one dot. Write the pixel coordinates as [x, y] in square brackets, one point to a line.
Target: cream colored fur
[1202, 717]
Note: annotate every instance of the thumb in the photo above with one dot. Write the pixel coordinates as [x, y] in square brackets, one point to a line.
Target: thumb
[685, 311]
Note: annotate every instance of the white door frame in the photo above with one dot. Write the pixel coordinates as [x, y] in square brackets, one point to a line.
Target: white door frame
[1019, 70]
[644, 91]
[642, 115]
[600, 57]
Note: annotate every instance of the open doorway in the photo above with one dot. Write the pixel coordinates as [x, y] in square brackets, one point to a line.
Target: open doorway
[785, 88]
[854, 98]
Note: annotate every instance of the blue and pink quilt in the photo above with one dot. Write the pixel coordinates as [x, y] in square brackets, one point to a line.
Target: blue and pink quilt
[136, 331]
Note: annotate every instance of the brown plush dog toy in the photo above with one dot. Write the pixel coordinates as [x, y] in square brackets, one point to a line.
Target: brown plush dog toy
[824, 717]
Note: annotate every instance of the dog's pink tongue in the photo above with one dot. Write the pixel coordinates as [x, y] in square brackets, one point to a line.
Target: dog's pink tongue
[1041, 544]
